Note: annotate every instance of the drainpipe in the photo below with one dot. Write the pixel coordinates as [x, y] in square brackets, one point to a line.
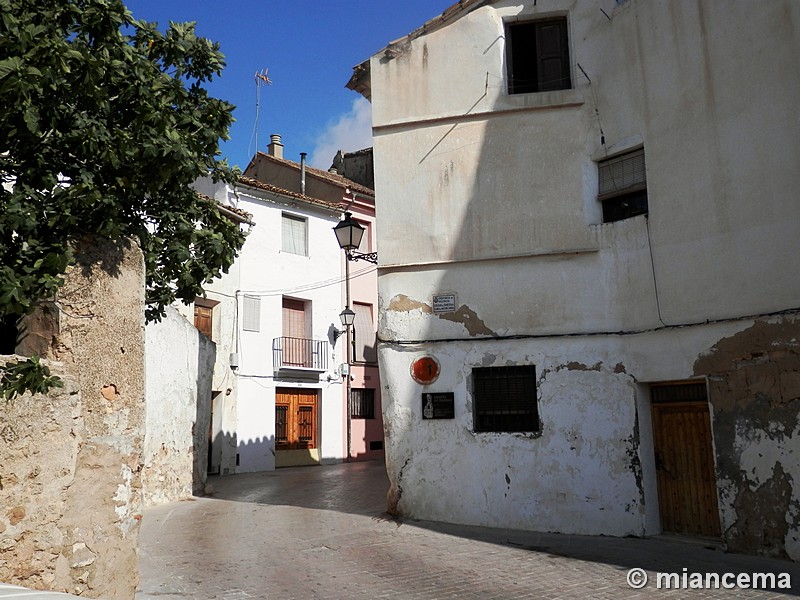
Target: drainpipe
[303, 173]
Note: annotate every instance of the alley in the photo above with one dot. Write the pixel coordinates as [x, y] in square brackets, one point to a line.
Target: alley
[320, 532]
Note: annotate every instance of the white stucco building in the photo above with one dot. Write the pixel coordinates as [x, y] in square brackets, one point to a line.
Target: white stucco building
[589, 220]
[280, 394]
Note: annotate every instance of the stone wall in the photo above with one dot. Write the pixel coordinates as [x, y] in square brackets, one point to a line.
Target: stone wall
[39, 443]
[70, 462]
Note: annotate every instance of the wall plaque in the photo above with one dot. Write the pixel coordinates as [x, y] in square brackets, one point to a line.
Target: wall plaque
[440, 405]
[444, 303]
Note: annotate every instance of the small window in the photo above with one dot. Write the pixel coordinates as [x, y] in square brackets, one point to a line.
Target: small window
[251, 313]
[203, 320]
[362, 403]
[538, 56]
[294, 235]
[366, 339]
[623, 186]
[505, 399]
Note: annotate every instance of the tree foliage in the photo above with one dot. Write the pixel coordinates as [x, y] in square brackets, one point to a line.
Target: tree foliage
[104, 126]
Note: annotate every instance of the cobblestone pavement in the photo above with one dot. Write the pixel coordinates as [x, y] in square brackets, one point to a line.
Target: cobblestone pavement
[320, 532]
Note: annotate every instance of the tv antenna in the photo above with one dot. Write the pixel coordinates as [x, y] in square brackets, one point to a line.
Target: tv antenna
[261, 78]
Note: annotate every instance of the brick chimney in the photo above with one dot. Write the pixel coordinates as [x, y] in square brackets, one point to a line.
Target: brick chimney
[275, 147]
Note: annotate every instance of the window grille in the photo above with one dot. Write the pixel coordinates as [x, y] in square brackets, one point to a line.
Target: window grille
[505, 399]
[362, 403]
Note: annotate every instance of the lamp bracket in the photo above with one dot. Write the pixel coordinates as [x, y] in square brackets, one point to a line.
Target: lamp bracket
[369, 256]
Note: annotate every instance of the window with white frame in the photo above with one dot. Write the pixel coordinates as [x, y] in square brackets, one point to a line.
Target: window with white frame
[294, 230]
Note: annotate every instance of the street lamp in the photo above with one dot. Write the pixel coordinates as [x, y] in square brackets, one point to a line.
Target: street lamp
[347, 316]
[348, 234]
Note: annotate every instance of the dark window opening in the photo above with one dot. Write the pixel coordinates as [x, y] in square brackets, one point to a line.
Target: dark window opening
[362, 403]
[8, 334]
[376, 445]
[505, 399]
[538, 56]
[623, 186]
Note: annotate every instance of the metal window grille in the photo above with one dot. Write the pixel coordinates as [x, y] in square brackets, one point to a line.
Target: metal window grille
[280, 423]
[678, 392]
[362, 403]
[505, 399]
[305, 425]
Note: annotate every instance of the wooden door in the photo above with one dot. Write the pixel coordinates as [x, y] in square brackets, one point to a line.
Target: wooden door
[687, 487]
[296, 419]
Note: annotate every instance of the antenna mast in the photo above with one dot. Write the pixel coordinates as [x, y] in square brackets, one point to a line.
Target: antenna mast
[261, 80]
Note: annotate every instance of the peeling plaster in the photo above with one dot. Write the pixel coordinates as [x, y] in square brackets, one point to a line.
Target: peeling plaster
[754, 391]
[463, 315]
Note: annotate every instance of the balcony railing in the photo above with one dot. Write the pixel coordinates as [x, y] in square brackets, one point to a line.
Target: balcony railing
[300, 353]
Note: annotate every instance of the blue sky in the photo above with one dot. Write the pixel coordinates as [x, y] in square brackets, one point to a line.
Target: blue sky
[310, 48]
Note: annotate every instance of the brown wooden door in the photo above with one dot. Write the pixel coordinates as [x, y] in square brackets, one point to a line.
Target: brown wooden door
[687, 488]
[296, 419]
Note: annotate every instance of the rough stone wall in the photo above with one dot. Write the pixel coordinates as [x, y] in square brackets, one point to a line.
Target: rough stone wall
[178, 393]
[39, 440]
[73, 494]
[754, 389]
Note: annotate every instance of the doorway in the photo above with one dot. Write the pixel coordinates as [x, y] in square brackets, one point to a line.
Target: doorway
[296, 427]
[684, 458]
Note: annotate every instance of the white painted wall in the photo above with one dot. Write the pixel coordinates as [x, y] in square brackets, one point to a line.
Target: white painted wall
[265, 271]
[493, 197]
[178, 368]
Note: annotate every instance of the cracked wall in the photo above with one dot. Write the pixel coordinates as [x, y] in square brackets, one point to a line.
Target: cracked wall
[754, 391]
[565, 477]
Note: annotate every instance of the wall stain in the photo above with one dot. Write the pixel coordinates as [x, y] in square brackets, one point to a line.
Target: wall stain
[754, 391]
[462, 315]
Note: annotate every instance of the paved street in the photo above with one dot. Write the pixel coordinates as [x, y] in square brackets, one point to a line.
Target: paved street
[320, 532]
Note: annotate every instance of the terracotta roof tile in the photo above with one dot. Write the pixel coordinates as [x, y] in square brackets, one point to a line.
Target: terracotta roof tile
[334, 178]
[254, 183]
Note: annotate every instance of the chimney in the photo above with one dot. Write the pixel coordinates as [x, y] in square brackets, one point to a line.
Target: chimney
[303, 173]
[275, 147]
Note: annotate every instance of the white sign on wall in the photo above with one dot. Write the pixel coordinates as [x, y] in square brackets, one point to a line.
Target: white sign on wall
[444, 303]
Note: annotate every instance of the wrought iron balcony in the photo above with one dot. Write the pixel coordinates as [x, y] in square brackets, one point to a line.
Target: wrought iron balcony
[300, 354]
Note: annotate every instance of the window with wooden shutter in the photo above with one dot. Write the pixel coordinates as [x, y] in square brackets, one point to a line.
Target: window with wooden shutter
[505, 399]
[538, 56]
[203, 320]
[622, 186]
